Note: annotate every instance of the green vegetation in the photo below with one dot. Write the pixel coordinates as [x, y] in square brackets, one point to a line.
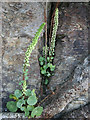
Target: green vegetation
[46, 63]
[26, 99]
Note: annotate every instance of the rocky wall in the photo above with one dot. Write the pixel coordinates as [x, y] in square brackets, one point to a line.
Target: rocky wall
[20, 22]
[72, 60]
[72, 45]
[70, 80]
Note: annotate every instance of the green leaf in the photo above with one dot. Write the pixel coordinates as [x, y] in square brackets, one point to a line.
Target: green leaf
[20, 103]
[41, 63]
[49, 64]
[18, 93]
[43, 71]
[30, 107]
[52, 58]
[26, 112]
[41, 59]
[22, 108]
[37, 111]
[48, 74]
[41, 68]
[12, 96]
[50, 53]
[26, 78]
[28, 92]
[53, 54]
[11, 105]
[32, 100]
[46, 81]
[33, 92]
[26, 70]
[48, 59]
[26, 74]
[45, 67]
[21, 82]
[52, 68]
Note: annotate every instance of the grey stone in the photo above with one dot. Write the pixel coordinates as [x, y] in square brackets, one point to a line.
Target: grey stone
[70, 95]
[20, 21]
[70, 82]
[10, 87]
[73, 48]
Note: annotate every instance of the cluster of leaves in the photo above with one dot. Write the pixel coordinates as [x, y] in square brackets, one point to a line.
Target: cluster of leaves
[25, 103]
[46, 63]
[46, 68]
[25, 99]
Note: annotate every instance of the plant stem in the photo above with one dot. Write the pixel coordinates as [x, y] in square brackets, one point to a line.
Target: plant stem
[52, 22]
[45, 18]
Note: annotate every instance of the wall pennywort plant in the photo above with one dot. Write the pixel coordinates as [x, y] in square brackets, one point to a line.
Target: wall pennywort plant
[46, 64]
[26, 99]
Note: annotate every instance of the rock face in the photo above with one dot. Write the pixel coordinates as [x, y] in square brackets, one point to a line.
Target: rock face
[72, 94]
[20, 22]
[73, 48]
[77, 114]
[70, 81]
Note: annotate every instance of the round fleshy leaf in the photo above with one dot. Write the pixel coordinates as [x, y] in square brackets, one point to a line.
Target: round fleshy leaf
[43, 71]
[41, 63]
[30, 107]
[18, 93]
[37, 111]
[32, 100]
[41, 59]
[20, 103]
[11, 105]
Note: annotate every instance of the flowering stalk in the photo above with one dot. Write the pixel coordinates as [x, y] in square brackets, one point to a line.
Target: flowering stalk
[27, 55]
[53, 37]
[46, 63]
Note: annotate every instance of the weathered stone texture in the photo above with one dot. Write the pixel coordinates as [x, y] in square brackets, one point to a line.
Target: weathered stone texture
[72, 94]
[73, 48]
[70, 81]
[20, 22]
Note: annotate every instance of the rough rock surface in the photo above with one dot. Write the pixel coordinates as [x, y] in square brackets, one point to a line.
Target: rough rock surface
[70, 82]
[72, 49]
[78, 114]
[72, 94]
[20, 22]
[72, 64]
